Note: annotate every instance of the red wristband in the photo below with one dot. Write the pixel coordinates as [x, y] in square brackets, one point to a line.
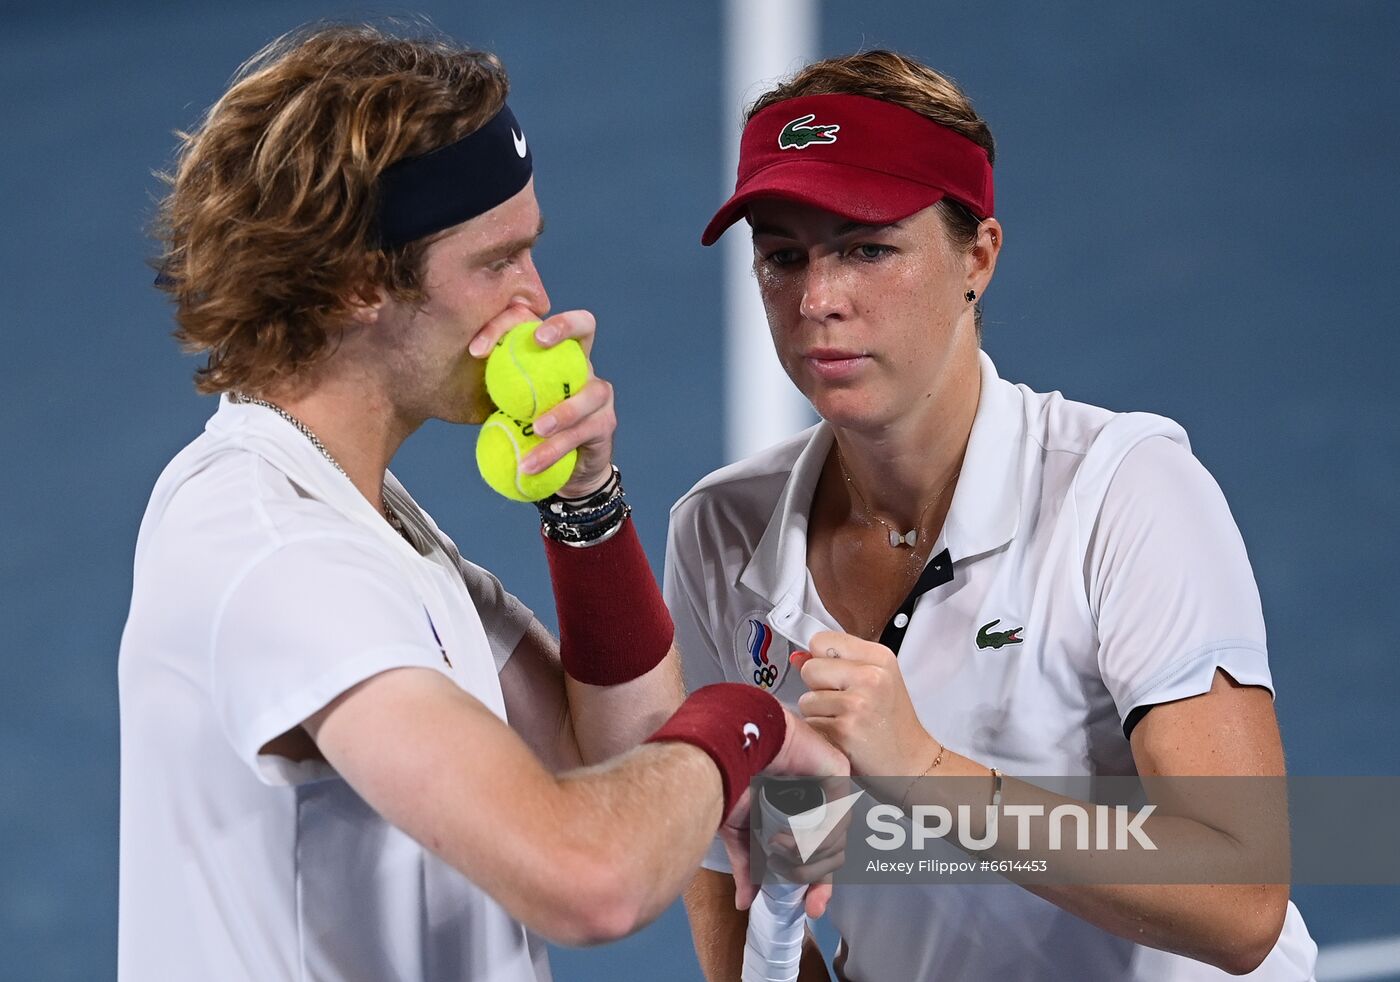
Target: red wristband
[742, 729]
[613, 624]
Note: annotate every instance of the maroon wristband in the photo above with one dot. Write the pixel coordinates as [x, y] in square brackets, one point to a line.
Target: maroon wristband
[742, 728]
[613, 624]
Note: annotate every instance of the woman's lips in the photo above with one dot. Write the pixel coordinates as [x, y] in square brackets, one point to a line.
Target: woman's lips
[833, 364]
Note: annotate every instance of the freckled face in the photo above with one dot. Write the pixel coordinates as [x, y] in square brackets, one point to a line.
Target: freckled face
[471, 275]
[868, 321]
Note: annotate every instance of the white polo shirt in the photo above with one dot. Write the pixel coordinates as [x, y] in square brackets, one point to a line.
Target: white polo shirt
[265, 585]
[1088, 567]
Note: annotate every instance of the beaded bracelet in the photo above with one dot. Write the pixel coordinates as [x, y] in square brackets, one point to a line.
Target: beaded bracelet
[588, 520]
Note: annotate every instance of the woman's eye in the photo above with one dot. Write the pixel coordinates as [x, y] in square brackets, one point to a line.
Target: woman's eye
[781, 257]
[870, 252]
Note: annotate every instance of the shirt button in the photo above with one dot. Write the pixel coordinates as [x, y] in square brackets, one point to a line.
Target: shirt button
[901, 619]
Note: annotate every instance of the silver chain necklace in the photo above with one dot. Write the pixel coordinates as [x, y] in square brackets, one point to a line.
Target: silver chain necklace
[898, 539]
[305, 431]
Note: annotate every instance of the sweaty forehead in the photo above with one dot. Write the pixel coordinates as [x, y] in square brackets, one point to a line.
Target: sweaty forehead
[777, 216]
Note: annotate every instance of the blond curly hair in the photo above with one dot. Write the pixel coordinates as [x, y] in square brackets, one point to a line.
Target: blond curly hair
[268, 226]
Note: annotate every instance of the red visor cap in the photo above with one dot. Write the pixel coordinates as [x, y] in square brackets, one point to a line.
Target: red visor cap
[863, 159]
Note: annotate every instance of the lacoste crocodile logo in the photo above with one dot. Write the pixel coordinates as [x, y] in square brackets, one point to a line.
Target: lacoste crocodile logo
[797, 135]
[987, 638]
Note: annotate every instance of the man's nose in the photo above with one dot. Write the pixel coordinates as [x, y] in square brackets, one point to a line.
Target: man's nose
[530, 292]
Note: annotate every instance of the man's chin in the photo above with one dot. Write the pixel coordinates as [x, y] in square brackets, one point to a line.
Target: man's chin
[474, 413]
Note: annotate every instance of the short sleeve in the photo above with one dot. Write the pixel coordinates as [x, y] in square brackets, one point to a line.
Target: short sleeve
[685, 598]
[1170, 584]
[305, 622]
[503, 616]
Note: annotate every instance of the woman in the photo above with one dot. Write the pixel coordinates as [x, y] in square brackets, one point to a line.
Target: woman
[989, 579]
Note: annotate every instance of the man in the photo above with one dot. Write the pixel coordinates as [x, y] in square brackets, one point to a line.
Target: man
[984, 578]
[347, 753]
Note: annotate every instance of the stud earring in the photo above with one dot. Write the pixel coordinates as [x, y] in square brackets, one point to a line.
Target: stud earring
[970, 296]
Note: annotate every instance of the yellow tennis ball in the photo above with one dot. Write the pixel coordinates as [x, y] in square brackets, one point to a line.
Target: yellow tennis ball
[501, 445]
[525, 380]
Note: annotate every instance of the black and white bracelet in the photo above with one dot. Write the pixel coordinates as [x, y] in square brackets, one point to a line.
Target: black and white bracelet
[589, 520]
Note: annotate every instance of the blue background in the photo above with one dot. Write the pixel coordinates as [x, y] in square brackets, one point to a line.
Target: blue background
[1201, 219]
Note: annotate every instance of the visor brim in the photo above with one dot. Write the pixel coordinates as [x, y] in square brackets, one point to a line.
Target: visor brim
[854, 193]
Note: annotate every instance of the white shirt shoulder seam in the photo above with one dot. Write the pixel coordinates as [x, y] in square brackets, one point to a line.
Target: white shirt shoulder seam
[766, 465]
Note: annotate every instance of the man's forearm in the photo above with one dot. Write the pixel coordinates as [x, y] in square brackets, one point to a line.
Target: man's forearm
[581, 857]
[611, 719]
[622, 674]
[716, 927]
[638, 839]
[719, 931]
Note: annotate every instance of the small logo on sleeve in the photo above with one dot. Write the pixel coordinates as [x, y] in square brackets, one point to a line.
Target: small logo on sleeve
[799, 135]
[433, 627]
[751, 734]
[987, 638]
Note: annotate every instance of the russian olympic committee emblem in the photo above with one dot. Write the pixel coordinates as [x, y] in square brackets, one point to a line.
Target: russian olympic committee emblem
[762, 656]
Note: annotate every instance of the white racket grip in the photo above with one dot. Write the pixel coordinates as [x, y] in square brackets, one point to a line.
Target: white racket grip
[777, 928]
[777, 916]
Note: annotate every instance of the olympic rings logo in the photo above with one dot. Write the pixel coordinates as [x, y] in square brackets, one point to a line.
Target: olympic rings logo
[766, 676]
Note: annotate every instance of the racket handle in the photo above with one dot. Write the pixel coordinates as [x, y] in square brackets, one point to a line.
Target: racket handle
[777, 929]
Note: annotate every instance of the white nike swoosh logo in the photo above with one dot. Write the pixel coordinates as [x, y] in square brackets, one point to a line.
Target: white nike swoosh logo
[519, 139]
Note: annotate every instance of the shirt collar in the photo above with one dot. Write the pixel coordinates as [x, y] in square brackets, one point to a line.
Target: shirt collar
[777, 570]
[986, 509]
[261, 431]
[984, 515]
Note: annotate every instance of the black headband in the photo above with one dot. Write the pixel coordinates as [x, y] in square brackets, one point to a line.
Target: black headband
[422, 195]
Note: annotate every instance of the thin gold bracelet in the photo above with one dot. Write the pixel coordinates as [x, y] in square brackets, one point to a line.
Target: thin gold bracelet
[937, 759]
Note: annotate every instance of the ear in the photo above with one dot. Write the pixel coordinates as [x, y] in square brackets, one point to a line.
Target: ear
[366, 304]
[982, 257]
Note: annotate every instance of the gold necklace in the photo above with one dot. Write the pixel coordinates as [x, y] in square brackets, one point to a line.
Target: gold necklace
[898, 539]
